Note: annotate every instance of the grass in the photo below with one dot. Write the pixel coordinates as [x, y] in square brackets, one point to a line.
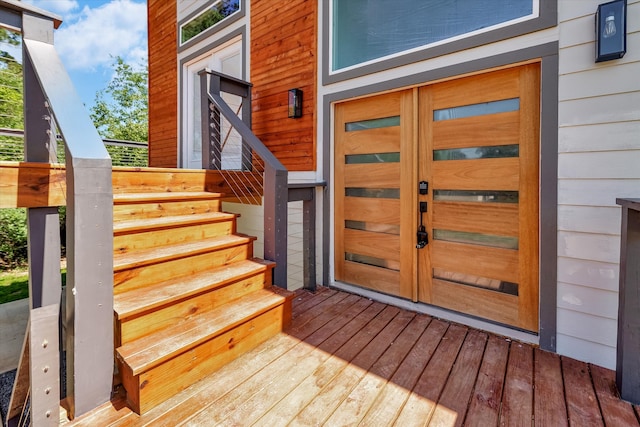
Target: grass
[14, 285]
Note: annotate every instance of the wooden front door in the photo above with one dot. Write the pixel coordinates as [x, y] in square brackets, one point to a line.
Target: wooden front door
[474, 144]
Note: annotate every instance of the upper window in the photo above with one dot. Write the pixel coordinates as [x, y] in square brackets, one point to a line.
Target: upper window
[206, 19]
[366, 30]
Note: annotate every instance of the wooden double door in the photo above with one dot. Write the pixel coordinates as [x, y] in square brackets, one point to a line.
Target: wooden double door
[436, 194]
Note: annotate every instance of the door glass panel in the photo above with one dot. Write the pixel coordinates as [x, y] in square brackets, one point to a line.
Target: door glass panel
[473, 110]
[369, 260]
[472, 153]
[476, 239]
[476, 281]
[375, 193]
[384, 122]
[475, 196]
[352, 159]
[372, 226]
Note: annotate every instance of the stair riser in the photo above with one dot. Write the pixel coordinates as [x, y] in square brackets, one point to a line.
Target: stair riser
[162, 317]
[139, 277]
[126, 212]
[155, 386]
[125, 243]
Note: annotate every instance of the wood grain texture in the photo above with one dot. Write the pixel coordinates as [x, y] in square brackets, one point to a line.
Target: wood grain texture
[379, 245]
[372, 175]
[279, 63]
[344, 347]
[477, 131]
[550, 407]
[499, 219]
[484, 406]
[496, 306]
[30, 185]
[517, 397]
[483, 174]
[582, 406]
[163, 83]
[492, 263]
[615, 411]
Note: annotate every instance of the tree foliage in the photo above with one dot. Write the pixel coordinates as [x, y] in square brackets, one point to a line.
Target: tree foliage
[209, 18]
[121, 109]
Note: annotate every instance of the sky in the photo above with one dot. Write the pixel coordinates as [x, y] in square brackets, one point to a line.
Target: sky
[92, 33]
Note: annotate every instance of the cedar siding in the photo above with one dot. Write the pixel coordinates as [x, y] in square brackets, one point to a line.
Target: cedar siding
[283, 57]
[163, 87]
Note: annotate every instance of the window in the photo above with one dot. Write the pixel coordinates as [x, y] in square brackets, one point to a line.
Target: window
[367, 30]
[209, 17]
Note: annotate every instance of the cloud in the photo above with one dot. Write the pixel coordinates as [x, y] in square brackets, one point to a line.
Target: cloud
[61, 7]
[89, 39]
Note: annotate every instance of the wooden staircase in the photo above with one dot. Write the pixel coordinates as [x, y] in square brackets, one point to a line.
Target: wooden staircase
[188, 294]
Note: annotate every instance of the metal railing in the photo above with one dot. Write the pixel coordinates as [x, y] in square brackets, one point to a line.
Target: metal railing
[52, 105]
[122, 153]
[253, 173]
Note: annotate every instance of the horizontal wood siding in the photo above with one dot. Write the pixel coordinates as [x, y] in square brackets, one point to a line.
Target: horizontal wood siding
[163, 83]
[283, 57]
[599, 124]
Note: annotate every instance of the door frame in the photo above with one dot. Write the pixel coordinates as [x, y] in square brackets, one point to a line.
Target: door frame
[547, 55]
[213, 60]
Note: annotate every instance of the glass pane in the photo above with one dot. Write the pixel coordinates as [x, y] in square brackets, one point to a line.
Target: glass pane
[498, 151]
[476, 281]
[352, 159]
[375, 193]
[476, 196]
[384, 122]
[481, 109]
[476, 239]
[364, 30]
[207, 19]
[369, 260]
[372, 226]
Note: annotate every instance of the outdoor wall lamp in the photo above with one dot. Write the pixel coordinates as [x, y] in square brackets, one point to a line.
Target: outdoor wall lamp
[611, 30]
[295, 103]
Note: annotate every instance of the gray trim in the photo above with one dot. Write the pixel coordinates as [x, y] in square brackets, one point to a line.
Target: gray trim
[548, 167]
[219, 42]
[548, 17]
[24, 8]
[235, 17]
[548, 201]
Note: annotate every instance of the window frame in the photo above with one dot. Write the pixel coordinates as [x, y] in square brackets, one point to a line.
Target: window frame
[546, 17]
[227, 21]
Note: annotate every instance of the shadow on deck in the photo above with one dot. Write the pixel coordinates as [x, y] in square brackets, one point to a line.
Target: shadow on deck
[347, 360]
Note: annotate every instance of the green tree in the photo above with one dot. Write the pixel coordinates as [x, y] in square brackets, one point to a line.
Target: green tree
[121, 110]
[11, 148]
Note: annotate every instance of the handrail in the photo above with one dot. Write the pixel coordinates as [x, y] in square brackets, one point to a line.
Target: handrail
[275, 185]
[51, 105]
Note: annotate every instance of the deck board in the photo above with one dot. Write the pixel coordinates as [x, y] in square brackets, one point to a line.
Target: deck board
[347, 360]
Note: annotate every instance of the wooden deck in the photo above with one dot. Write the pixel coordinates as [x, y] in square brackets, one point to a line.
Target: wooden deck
[347, 360]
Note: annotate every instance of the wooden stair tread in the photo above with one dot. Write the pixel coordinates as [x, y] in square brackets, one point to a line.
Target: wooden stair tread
[140, 258]
[138, 301]
[169, 196]
[148, 224]
[152, 350]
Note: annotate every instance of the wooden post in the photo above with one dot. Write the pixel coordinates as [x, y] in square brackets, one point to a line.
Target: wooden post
[628, 349]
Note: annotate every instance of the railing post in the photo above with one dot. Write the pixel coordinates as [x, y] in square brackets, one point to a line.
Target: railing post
[210, 123]
[89, 302]
[275, 222]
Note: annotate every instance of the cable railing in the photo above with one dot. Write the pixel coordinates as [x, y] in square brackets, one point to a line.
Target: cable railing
[250, 170]
[123, 153]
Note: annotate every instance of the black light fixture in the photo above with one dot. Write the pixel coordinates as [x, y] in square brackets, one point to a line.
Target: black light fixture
[611, 30]
[295, 103]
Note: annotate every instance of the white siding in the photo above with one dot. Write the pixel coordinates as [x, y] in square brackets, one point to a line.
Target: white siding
[598, 161]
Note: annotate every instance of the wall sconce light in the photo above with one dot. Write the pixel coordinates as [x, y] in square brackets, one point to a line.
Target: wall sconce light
[611, 30]
[295, 103]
